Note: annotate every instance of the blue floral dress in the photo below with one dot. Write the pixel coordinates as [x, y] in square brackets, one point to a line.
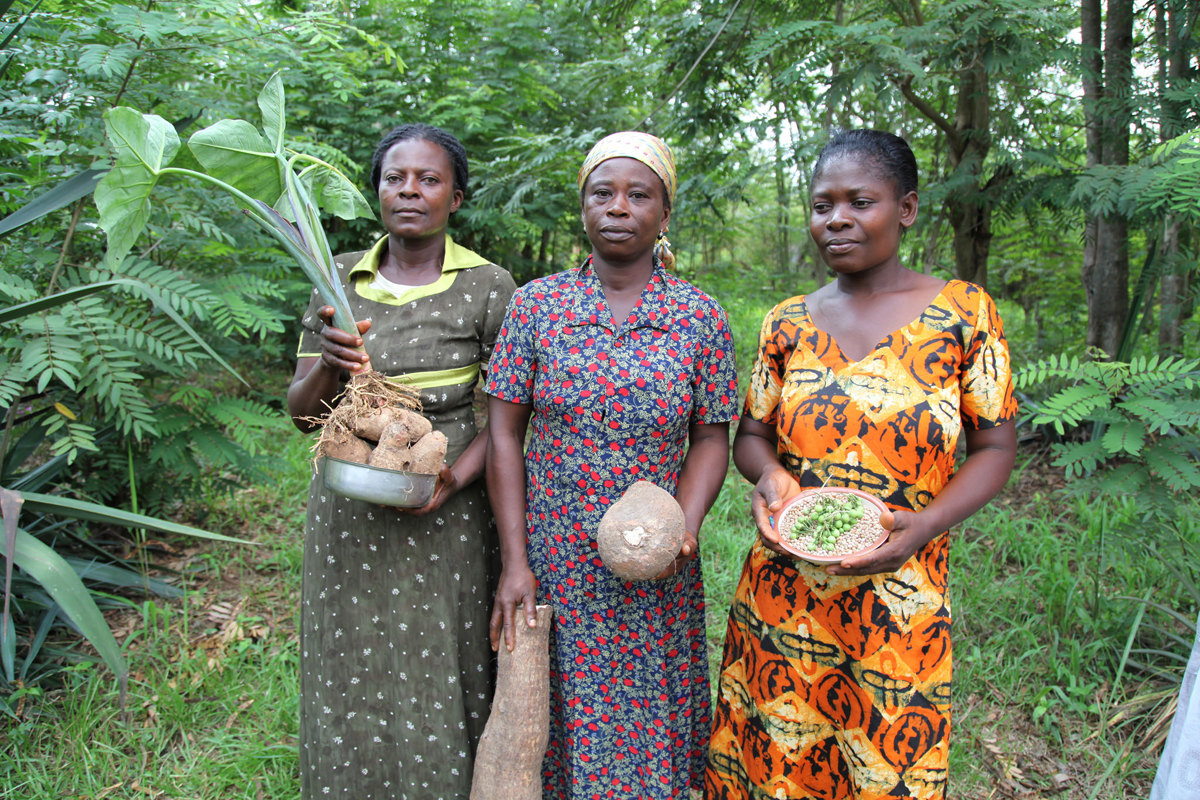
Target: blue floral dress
[630, 700]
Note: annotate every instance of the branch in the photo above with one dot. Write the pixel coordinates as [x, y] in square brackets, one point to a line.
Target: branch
[699, 58]
[917, 15]
[931, 113]
[62, 256]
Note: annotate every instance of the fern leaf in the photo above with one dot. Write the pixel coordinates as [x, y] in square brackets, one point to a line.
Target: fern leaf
[1079, 458]
[1125, 436]
[1176, 469]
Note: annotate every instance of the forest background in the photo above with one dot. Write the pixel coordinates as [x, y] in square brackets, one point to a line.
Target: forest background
[1060, 169]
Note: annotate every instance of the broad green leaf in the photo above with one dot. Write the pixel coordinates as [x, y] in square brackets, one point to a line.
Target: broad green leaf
[94, 512]
[233, 151]
[145, 143]
[333, 192]
[59, 579]
[270, 102]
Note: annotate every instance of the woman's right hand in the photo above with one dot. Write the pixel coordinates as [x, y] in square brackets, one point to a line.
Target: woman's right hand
[339, 350]
[517, 586]
[774, 488]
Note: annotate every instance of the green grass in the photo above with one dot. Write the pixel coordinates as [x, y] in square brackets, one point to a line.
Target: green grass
[212, 707]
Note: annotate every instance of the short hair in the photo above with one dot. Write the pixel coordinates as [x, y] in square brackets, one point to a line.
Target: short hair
[419, 130]
[887, 151]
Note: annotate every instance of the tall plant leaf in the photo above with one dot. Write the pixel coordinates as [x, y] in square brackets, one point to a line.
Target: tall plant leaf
[62, 582]
[94, 512]
[10, 509]
[145, 143]
[233, 151]
[62, 194]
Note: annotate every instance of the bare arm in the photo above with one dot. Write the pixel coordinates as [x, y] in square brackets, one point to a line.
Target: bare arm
[507, 424]
[700, 480]
[755, 452]
[315, 383]
[990, 456]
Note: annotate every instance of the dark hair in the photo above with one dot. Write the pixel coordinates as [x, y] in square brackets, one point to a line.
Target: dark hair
[419, 130]
[886, 151]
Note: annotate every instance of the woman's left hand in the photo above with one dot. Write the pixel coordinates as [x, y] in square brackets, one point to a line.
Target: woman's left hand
[908, 535]
[443, 490]
[691, 545]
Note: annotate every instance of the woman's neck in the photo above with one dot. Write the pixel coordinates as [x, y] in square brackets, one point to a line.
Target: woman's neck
[890, 276]
[625, 276]
[414, 261]
[622, 284]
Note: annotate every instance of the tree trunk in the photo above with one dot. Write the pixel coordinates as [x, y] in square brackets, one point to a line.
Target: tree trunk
[508, 763]
[1170, 17]
[1107, 117]
[968, 140]
[1173, 288]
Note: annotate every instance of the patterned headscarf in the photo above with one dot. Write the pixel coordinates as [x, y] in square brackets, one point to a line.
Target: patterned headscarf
[651, 151]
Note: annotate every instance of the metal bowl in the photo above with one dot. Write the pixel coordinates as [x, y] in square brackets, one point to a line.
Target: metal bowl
[385, 487]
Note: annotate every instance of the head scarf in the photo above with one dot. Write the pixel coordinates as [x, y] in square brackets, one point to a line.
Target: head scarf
[651, 151]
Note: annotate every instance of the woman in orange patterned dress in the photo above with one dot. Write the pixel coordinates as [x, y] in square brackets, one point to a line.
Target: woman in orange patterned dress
[835, 682]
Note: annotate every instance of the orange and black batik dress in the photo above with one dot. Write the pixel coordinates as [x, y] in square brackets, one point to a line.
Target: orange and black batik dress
[839, 687]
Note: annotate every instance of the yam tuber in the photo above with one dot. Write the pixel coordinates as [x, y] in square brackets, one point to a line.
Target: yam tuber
[508, 763]
[371, 423]
[393, 451]
[642, 533]
[345, 446]
[429, 454]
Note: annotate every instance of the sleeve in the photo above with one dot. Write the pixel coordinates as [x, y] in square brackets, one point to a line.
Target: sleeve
[766, 378]
[310, 329]
[514, 359]
[494, 315]
[714, 387]
[986, 373]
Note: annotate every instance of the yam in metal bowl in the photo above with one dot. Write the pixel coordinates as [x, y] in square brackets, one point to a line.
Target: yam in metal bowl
[385, 487]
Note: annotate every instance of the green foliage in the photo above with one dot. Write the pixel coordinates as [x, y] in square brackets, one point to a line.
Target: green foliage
[99, 352]
[1144, 420]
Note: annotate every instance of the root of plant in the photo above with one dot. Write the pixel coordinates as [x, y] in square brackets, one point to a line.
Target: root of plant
[365, 396]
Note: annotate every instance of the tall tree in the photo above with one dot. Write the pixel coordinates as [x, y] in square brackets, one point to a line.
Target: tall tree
[1107, 66]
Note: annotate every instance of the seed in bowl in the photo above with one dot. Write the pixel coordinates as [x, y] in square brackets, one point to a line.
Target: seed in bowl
[830, 524]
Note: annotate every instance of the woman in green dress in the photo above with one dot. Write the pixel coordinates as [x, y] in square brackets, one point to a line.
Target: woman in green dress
[394, 675]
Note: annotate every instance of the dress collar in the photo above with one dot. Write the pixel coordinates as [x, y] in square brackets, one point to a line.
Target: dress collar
[654, 309]
[457, 257]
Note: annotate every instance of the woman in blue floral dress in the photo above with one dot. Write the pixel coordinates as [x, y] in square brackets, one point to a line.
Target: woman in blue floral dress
[623, 369]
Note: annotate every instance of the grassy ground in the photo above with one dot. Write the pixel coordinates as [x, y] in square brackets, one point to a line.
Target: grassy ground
[1045, 702]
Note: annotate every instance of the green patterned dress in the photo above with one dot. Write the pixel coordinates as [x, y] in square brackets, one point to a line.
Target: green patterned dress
[394, 664]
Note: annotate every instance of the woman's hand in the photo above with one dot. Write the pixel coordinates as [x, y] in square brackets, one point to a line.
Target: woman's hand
[517, 586]
[339, 348]
[774, 488]
[447, 484]
[687, 552]
[910, 532]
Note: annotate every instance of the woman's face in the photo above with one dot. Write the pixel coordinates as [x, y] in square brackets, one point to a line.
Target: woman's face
[623, 210]
[856, 216]
[416, 189]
